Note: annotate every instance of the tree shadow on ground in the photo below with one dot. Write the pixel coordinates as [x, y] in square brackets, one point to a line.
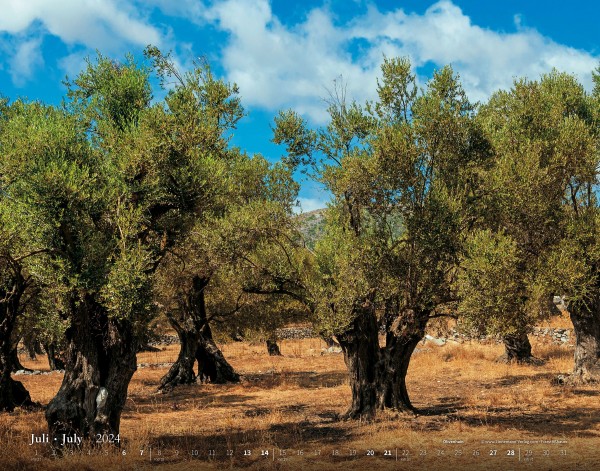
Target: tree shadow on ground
[300, 435]
[442, 408]
[580, 421]
[301, 379]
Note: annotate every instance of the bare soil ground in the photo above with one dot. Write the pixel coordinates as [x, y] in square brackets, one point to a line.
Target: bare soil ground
[474, 413]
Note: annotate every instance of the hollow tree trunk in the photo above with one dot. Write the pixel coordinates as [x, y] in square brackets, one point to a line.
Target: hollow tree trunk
[273, 348]
[360, 345]
[197, 344]
[212, 365]
[54, 361]
[12, 393]
[100, 361]
[516, 348]
[403, 335]
[586, 324]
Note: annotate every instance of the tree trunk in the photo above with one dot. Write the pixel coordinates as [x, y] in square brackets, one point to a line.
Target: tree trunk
[212, 365]
[516, 348]
[182, 371]
[403, 335]
[54, 361]
[586, 324]
[15, 363]
[12, 393]
[273, 348]
[100, 361]
[32, 345]
[360, 345]
[196, 345]
[144, 340]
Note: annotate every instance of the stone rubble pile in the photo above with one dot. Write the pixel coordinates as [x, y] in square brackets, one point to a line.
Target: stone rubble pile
[295, 333]
[36, 372]
[556, 335]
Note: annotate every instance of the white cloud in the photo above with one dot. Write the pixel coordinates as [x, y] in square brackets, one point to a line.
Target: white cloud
[106, 25]
[486, 59]
[276, 66]
[25, 59]
[101, 24]
[73, 63]
[280, 66]
[193, 10]
[309, 204]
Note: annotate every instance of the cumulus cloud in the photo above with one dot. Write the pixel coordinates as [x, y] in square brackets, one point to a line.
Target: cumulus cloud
[106, 25]
[101, 24]
[25, 59]
[278, 65]
[486, 59]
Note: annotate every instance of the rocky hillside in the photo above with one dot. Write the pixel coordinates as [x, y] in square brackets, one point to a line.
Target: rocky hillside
[312, 225]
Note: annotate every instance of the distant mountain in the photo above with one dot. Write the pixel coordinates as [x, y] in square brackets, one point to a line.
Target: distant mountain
[312, 225]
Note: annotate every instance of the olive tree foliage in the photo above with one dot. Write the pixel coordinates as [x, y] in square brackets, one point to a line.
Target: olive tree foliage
[571, 268]
[544, 149]
[30, 135]
[17, 288]
[404, 175]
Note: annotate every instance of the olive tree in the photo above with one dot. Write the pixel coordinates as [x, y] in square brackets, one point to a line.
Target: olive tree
[117, 180]
[402, 172]
[543, 147]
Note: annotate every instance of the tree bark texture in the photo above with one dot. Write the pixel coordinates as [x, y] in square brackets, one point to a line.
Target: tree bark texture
[182, 371]
[100, 361]
[403, 335]
[54, 360]
[32, 345]
[212, 365]
[586, 324]
[360, 346]
[14, 359]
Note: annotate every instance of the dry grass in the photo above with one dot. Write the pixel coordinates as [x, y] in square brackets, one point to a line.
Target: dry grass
[292, 403]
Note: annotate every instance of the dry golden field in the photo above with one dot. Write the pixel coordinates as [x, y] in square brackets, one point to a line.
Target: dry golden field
[474, 413]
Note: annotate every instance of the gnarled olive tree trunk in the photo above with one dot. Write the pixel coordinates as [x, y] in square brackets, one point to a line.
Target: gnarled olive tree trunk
[100, 361]
[54, 361]
[360, 346]
[197, 344]
[12, 393]
[32, 345]
[402, 337]
[586, 324]
[516, 348]
[272, 348]
[212, 365]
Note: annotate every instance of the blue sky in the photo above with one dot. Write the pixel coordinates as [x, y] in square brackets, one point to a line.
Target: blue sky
[284, 54]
